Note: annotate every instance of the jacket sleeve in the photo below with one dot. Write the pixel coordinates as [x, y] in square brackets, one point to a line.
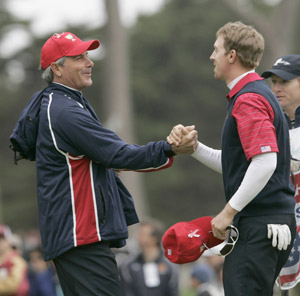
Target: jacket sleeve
[78, 133]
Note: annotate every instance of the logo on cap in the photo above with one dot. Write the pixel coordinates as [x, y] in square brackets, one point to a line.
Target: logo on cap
[70, 37]
[281, 61]
[194, 234]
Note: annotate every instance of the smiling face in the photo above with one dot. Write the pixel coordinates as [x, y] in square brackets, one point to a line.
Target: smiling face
[288, 93]
[76, 72]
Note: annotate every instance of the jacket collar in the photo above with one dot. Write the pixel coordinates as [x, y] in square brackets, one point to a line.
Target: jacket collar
[75, 94]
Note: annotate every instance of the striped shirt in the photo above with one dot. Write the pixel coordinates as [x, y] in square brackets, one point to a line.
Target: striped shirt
[254, 117]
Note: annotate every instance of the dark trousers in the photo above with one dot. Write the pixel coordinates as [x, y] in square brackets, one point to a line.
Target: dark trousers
[89, 270]
[254, 264]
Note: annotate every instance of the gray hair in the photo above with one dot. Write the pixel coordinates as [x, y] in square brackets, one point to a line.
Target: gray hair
[48, 75]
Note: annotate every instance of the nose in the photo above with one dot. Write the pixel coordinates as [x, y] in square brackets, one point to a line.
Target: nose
[275, 87]
[89, 62]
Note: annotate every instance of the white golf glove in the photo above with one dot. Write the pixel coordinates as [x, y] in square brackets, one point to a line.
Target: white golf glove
[281, 235]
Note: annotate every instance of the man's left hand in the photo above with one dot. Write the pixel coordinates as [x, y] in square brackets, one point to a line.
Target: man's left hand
[222, 220]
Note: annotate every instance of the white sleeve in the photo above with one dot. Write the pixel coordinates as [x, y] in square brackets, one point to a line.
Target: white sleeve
[209, 157]
[259, 172]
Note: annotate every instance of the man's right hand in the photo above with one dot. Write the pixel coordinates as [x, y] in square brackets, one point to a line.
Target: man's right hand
[184, 140]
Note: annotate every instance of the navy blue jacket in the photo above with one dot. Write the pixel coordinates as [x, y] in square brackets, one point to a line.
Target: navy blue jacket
[81, 200]
[277, 197]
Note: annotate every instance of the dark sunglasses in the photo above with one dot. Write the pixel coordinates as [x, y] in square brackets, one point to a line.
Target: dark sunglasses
[228, 245]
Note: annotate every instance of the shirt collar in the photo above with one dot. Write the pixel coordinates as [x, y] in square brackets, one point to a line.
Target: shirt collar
[237, 84]
[231, 84]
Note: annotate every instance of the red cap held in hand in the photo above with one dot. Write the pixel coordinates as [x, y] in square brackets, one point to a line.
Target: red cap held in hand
[185, 241]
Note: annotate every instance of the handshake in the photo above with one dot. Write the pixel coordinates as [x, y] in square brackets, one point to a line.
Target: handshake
[184, 139]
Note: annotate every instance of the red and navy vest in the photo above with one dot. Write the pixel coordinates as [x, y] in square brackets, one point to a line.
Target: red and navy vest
[277, 197]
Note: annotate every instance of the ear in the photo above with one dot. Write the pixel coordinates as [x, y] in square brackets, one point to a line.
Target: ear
[56, 69]
[232, 56]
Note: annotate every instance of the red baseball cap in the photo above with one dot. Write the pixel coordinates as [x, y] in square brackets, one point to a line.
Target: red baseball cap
[186, 241]
[64, 44]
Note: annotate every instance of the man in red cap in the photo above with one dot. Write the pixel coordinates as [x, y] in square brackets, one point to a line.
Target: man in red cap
[84, 209]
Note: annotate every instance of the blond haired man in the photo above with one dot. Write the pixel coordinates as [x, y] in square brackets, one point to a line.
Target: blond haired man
[254, 161]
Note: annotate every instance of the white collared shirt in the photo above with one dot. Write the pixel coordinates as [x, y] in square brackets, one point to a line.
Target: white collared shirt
[231, 84]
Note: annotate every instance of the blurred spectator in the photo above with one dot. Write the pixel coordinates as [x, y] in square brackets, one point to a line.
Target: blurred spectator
[32, 239]
[41, 275]
[216, 262]
[16, 243]
[202, 280]
[149, 272]
[13, 268]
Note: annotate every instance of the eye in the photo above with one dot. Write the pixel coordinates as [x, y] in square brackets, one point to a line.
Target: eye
[279, 81]
[79, 57]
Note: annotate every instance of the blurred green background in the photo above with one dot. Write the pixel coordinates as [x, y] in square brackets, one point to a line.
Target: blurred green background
[157, 73]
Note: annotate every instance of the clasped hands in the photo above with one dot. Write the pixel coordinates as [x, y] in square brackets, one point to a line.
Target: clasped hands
[184, 139]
